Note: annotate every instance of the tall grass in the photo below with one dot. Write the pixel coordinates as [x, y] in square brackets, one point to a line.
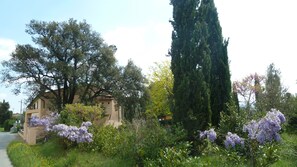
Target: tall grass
[22, 155]
[288, 151]
[51, 154]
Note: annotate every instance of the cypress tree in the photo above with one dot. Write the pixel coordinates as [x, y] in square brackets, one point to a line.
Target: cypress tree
[234, 98]
[220, 83]
[190, 64]
[274, 89]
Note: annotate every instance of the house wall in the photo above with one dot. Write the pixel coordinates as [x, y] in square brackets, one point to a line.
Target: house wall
[39, 108]
[42, 107]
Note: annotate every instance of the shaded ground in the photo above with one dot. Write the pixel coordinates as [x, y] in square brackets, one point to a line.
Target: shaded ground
[5, 139]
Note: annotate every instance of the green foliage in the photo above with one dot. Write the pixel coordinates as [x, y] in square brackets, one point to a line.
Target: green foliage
[273, 88]
[287, 150]
[171, 156]
[51, 148]
[160, 90]
[96, 159]
[232, 121]
[131, 92]
[144, 140]
[5, 114]
[190, 65]
[289, 108]
[75, 114]
[70, 59]
[150, 138]
[52, 154]
[136, 141]
[233, 157]
[261, 155]
[22, 155]
[220, 83]
[8, 124]
[106, 140]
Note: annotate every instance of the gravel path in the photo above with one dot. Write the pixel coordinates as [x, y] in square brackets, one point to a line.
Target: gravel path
[5, 139]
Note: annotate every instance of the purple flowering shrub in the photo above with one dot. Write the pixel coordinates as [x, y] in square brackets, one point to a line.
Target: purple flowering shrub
[232, 140]
[72, 133]
[261, 143]
[211, 135]
[47, 121]
[266, 129]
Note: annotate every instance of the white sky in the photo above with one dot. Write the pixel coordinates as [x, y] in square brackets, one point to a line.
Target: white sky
[260, 32]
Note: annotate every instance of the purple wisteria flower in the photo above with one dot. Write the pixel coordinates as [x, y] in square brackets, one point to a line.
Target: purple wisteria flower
[210, 134]
[47, 121]
[74, 133]
[276, 113]
[86, 124]
[232, 140]
[267, 128]
[251, 128]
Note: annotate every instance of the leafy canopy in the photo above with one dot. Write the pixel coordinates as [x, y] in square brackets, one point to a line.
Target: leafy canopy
[160, 89]
[67, 58]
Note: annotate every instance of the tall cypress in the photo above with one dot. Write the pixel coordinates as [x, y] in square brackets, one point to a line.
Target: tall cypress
[273, 88]
[190, 64]
[220, 83]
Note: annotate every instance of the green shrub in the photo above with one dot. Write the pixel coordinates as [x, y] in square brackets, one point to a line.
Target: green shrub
[232, 121]
[8, 124]
[171, 156]
[106, 139]
[75, 114]
[144, 139]
[136, 141]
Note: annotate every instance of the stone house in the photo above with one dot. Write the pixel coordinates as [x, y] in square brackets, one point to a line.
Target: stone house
[41, 107]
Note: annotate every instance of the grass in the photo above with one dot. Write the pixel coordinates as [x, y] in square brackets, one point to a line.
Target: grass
[1, 129]
[22, 155]
[288, 151]
[51, 154]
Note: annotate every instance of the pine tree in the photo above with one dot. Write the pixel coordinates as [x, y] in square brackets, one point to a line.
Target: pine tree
[190, 64]
[220, 83]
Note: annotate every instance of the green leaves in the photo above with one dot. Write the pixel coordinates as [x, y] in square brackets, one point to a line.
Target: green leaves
[76, 114]
[190, 66]
[68, 59]
[131, 92]
[160, 90]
